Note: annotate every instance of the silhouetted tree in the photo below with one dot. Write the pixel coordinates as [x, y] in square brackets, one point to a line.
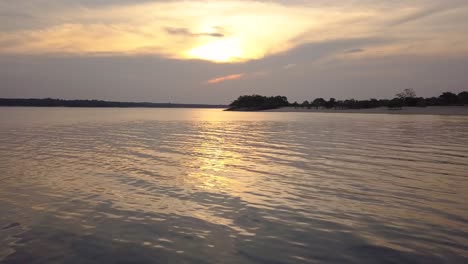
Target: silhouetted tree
[331, 103]
[448, 98]
[432, 101]
[395, 103]
[406, 93]
[463, 98]
[339, 104]
[319, 102]
[349, 103]
[421, 102]
[408, 97]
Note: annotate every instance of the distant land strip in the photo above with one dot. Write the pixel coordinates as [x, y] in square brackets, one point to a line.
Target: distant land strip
[50, 102]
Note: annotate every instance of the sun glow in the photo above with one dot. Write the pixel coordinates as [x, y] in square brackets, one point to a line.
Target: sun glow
[217, 31]
[218, 51]
[224, 50]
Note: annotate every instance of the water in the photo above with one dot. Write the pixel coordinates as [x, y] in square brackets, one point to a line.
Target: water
[206, 186]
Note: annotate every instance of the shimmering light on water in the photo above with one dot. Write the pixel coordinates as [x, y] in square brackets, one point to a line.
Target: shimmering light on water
[205, 186]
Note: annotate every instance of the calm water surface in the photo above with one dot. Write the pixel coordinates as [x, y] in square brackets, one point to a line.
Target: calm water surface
[206, 186]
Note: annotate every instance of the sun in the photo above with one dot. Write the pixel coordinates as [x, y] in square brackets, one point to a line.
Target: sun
[223, 51]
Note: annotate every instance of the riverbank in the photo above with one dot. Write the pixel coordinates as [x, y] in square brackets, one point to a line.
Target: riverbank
[430, 110]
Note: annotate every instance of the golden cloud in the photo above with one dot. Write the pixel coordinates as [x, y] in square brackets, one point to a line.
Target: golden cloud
[218, 31]
[225, 78]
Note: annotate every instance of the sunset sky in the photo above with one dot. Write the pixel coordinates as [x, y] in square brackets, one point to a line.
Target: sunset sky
[213, 51]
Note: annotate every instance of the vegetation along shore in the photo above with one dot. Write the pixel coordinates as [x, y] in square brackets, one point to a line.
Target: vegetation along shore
[404, 102]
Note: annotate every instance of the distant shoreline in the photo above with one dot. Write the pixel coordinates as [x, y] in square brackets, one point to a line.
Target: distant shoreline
[49, 102]
[429, 110]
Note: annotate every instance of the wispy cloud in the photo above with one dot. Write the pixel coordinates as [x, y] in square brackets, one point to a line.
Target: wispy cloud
[225, 78]
[188, 33]
[354, 51]
[427, 12]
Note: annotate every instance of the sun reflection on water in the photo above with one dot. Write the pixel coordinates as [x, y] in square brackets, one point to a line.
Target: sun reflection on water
[209, 168]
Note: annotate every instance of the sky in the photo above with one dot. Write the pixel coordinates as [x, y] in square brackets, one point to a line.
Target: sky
[213, 51]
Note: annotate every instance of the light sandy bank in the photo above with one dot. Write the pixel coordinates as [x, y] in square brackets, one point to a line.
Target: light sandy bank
[431, 110]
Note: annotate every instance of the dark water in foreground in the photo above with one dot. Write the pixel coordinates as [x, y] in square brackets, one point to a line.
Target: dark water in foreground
[204, 186]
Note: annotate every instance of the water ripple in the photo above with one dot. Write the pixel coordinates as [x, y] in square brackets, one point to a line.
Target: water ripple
[139, 185]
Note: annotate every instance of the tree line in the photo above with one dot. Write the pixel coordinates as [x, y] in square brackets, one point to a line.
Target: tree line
[49, 102]
[406, 98]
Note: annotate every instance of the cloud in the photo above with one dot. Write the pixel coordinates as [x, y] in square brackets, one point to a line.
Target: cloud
[354, 51]
[232, 31]
[136, 29]
[188, 33]
[426, 12]
[225, 78]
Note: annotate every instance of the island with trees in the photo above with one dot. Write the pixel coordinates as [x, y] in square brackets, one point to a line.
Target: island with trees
[407, 98]
[257, 103]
